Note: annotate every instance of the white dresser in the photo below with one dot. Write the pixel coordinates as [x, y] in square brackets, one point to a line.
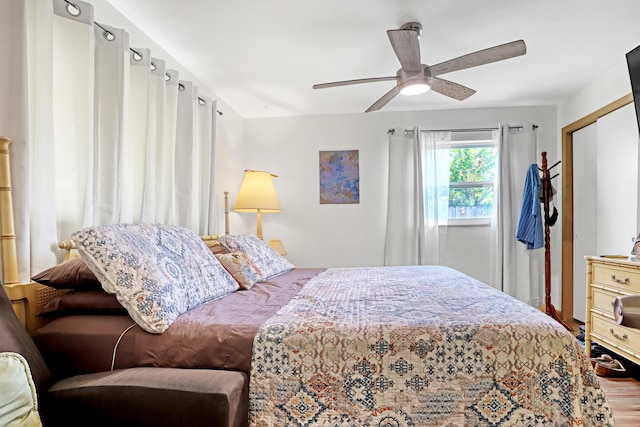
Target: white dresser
[608, 278]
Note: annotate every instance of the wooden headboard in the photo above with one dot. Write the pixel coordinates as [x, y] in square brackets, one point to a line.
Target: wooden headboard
[71, 252]
[28, 299]
[19, 294]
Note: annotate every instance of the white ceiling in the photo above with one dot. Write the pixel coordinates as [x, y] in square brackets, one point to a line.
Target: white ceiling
[262, 56]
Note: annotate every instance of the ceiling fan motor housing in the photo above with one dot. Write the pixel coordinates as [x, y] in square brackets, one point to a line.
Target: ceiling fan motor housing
[415, 26]
[424, 74]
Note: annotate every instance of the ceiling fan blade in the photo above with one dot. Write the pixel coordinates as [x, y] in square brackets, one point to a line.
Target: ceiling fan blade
[383, 101]
[354, 82]
[451, 89]
[481, 57]
[407, 48]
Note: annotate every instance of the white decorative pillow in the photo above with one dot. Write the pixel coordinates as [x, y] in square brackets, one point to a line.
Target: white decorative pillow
[18, 399]
[266, 260]
[156, 271]
[240, 267]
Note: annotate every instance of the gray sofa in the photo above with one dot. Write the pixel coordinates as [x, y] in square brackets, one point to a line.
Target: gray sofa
[128, 397]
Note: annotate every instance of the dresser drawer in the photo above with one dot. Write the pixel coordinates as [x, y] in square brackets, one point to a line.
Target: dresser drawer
[602, 300]
[624, 279]
[609, 332]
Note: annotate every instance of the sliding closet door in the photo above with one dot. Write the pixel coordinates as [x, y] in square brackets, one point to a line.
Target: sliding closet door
[585, 219]
[605, 193]
[617, 181]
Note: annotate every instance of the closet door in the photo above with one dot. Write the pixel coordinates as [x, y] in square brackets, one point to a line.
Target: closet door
[585, 218]
[617, 170]
[605, 195]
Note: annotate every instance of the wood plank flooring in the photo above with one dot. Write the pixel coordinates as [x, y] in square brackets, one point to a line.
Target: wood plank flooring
[623, 394]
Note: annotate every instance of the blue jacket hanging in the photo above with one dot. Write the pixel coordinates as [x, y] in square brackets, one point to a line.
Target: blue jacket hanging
[530, 230]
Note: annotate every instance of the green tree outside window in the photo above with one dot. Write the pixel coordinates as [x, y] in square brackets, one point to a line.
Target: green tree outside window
[472, 171]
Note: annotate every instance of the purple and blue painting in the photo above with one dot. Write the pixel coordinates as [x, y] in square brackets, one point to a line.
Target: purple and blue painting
[339, 177]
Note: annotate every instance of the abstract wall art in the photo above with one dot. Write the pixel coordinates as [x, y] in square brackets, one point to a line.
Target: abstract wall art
[339, 177]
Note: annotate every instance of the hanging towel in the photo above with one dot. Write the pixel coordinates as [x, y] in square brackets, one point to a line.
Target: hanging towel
[529, 229]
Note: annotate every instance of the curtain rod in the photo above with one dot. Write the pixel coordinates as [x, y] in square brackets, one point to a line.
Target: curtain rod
[409, 131]
[108, 35]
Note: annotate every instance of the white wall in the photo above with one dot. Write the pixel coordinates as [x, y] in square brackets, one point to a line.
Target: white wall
[606, 88]
[353, 235]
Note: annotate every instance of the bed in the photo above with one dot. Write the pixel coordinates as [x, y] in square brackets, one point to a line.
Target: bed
[360, 346]
[378, 346]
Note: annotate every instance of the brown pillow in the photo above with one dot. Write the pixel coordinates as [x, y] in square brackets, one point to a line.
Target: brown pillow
[83, 302]
[218, 249]
[72, 274]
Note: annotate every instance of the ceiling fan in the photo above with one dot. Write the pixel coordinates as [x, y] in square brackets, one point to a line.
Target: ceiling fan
[415, 78]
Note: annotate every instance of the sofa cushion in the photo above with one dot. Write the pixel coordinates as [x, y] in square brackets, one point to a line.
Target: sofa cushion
[149, 397]
[14, 338]
[18, 398]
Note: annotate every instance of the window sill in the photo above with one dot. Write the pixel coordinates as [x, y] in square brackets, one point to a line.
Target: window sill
[468, 222]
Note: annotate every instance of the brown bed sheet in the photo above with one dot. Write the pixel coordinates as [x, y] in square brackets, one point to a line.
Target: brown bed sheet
[216, 335]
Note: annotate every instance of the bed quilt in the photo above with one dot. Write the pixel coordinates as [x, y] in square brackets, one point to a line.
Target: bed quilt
[418, 346]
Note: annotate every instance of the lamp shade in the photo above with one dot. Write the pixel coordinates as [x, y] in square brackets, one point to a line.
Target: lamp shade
[257, 193]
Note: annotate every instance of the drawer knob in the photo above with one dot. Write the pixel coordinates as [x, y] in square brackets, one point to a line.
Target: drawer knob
[615, 279]
[620, 337]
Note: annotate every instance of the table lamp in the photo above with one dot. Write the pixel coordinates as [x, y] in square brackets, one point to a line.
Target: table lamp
[257, 194]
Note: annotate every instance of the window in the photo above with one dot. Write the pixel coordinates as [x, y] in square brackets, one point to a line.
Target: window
[472, 170]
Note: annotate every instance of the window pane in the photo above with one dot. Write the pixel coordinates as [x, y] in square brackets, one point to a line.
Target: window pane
[472, 168]
[470, 202]
[472, 164]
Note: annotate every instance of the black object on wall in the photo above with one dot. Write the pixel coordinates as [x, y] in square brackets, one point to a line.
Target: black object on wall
[633, 62]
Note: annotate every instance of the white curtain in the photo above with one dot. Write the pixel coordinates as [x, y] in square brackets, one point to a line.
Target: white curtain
[418, 197]
[514, 269]
[101, 132]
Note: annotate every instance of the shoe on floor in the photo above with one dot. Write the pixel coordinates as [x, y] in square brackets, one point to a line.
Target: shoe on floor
[604, 358]
[610, 369]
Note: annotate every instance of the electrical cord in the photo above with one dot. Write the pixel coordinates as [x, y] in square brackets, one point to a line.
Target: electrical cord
[115, 348]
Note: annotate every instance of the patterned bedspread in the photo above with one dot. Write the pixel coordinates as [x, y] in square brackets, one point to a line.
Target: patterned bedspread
[418, 346]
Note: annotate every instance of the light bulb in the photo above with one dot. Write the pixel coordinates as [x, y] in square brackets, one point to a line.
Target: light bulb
[412, 89]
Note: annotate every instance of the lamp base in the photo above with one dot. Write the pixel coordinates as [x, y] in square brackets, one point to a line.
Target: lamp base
[259, 225]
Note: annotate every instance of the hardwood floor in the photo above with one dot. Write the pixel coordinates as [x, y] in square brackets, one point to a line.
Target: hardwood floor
[623, 394]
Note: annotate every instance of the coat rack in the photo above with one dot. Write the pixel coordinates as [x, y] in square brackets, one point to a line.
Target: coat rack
[546, 197]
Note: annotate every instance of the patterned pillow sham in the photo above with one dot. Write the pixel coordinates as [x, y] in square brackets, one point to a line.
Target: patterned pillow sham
[266, 260]
[156, 271]
[240, 267]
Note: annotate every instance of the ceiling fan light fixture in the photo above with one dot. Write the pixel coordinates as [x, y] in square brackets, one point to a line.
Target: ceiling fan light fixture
[414, 87]
[415, 78]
